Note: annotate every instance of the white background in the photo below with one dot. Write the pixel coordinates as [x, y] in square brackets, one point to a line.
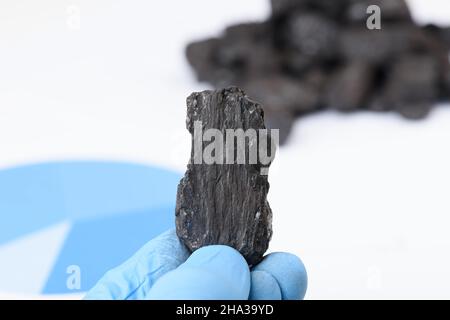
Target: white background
[363, 199]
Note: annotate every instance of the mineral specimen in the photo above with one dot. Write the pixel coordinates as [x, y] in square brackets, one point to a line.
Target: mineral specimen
[312, 55]
[225, 202]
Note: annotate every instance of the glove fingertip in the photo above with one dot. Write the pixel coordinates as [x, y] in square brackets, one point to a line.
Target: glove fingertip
[210, 273]
[264, 287]
[290, 273]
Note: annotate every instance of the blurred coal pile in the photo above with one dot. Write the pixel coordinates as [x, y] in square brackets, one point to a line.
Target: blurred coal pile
[312, 55]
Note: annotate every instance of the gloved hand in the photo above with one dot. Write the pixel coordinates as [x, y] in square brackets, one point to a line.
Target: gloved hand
[164, 269]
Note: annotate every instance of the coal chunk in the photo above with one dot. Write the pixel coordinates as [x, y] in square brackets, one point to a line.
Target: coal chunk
[445, 36]
[412, 85]
[283, 94]
[280, 120]
[350, 86]
[247, 48]
[200, 55]
[375, 46]
[311, 35]
[221, 203]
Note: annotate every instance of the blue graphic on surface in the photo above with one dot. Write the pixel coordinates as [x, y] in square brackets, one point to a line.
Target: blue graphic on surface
[114, 208]
[97, 246]
[96, 189]
[31, 198]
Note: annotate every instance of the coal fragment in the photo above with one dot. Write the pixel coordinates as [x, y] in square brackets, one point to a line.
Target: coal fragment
[414, 110]
[224, 203]
[349, 87]
[412, 85]
[445, 36]
[283, 94]
[311, 35]
[280, 120]
[246, 49]
[200, 55]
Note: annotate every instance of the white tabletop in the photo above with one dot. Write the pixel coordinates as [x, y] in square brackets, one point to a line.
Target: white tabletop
[362, 199]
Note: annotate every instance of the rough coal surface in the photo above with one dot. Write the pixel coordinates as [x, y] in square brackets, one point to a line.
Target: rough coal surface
[224, 203]
[313, 55]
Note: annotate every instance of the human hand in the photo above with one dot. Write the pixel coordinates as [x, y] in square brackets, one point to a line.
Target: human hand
[164, 269]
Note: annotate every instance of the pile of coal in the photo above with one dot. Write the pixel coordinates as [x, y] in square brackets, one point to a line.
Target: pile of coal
[224, 202]
[312, 55]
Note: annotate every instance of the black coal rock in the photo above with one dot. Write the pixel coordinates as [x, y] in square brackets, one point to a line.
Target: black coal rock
[246, 48]
[280, 120]
[201, 56]
[283, 94]
[445, 36]
[225, 203]
[412, 85]
[349, 88]
[310, 35]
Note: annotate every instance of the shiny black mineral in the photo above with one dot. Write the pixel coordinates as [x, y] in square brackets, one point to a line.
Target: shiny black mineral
[224, 201]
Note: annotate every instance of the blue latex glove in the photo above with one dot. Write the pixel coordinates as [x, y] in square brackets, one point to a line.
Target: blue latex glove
[164, 269]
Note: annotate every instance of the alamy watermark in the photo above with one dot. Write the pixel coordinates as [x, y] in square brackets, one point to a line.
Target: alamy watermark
[374, 278]
[73, 281]
[234, 146]
[374, 20]
[73, 20]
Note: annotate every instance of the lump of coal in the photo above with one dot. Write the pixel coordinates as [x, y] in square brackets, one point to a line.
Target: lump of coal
[280, 120]
[283, 94]
[200, 55]
[412, 85]
[245, 48]
[350, 86]
[311, 35]
[224, 202]
[284, 98]
[312, 55]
